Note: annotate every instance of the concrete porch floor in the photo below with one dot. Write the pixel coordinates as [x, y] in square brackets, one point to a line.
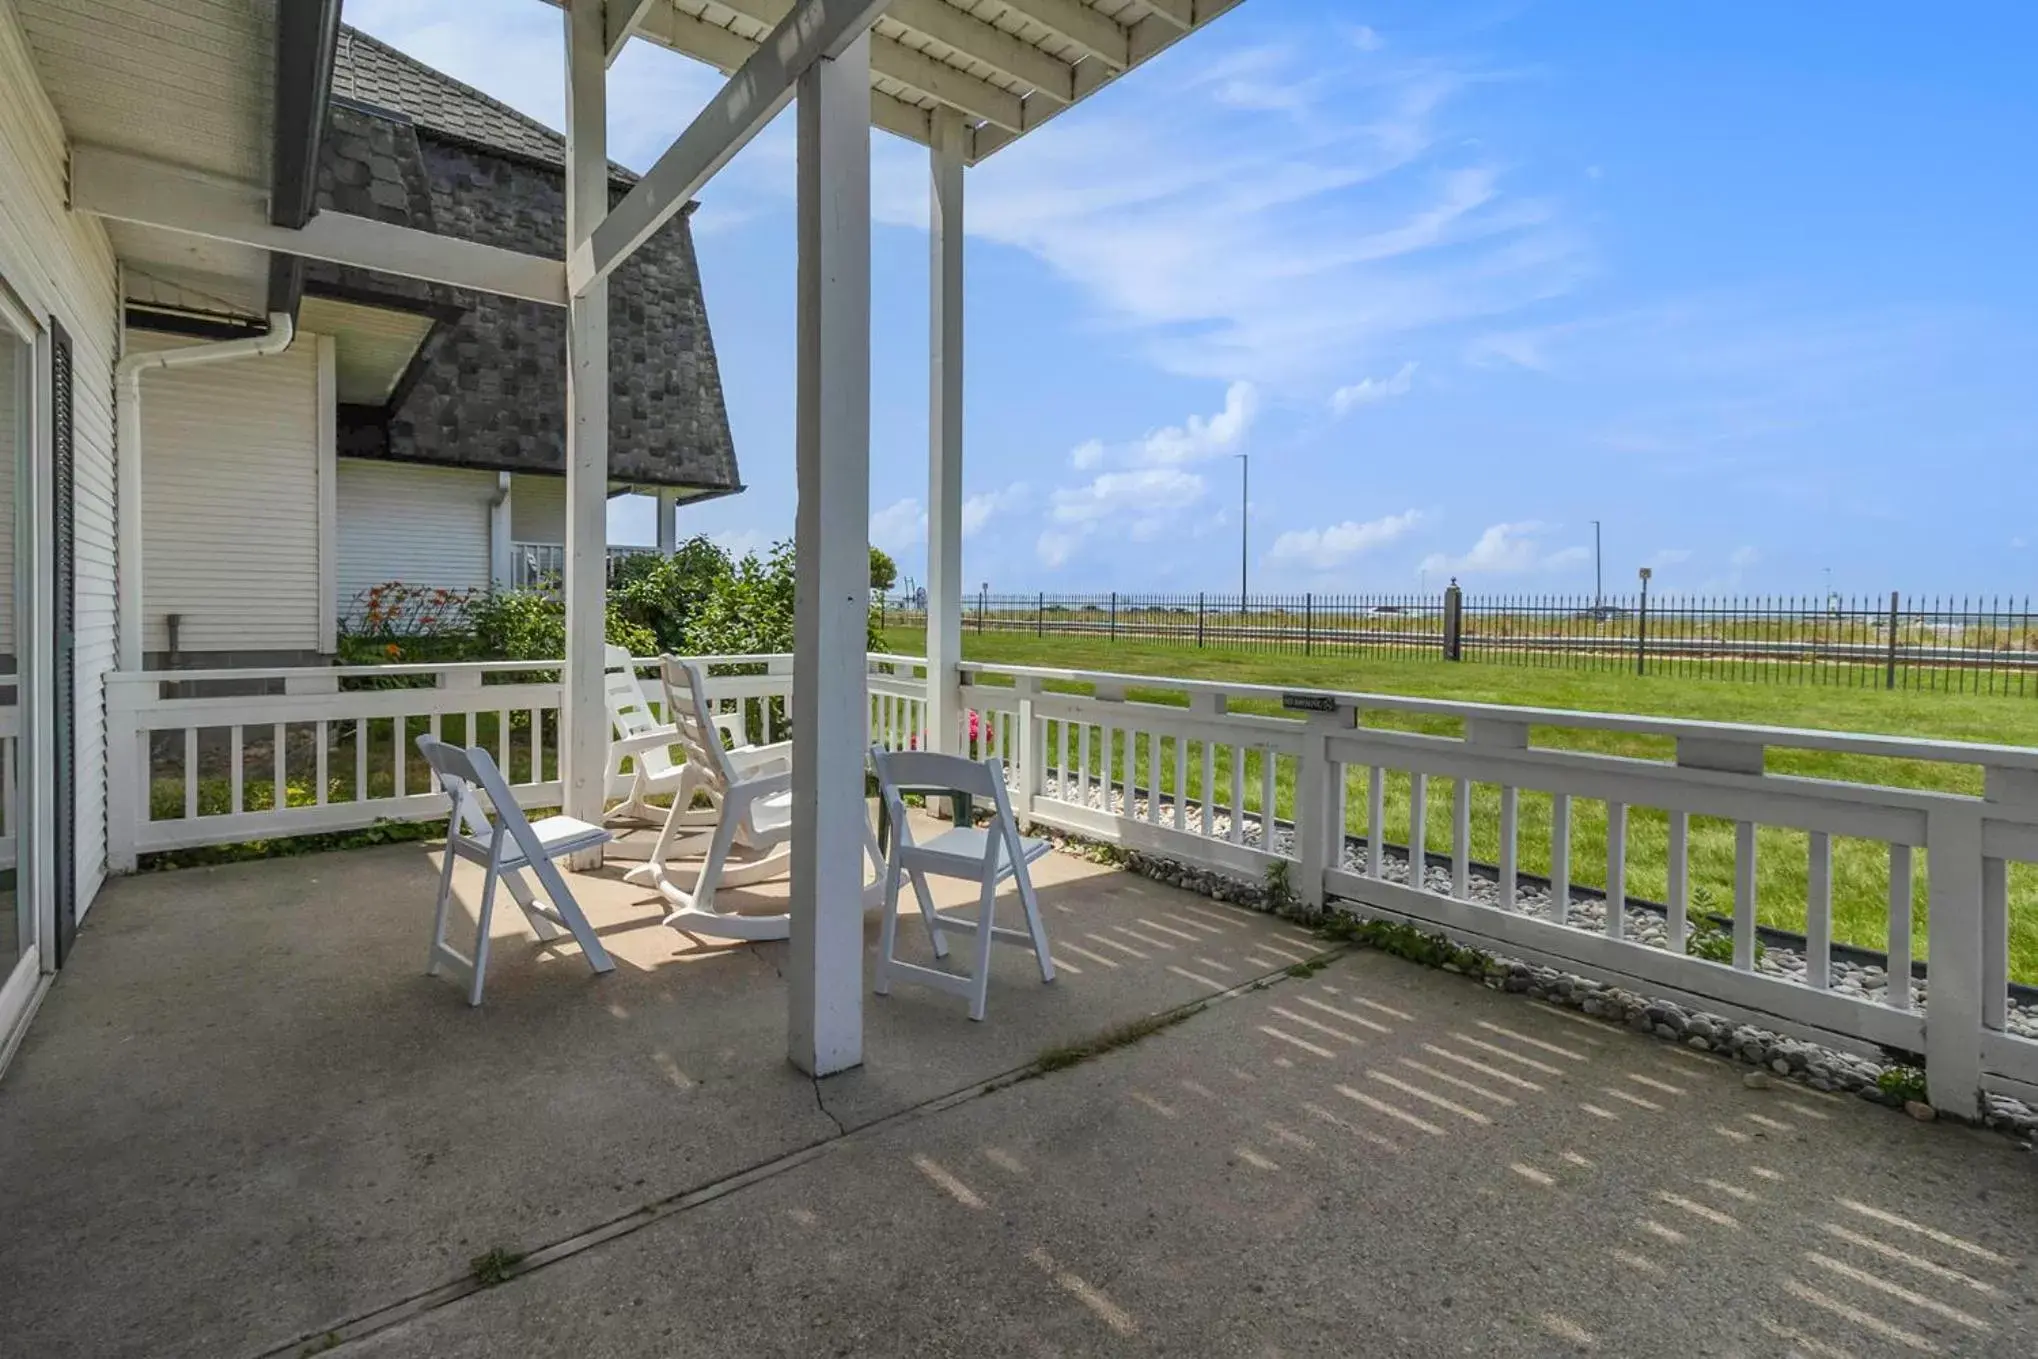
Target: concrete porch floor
[245, 1120]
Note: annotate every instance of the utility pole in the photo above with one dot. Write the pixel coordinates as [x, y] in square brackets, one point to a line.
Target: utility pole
[1244, 472]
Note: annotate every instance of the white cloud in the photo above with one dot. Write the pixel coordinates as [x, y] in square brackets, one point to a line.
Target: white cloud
[741, 543]
[1086, 454]
[1371, 391]
[1741, 558]
[1142, 493]
[978, 509]
[1509, 549]
[900, 526]
[1201, 437]
[1670, 556]
[1323, 549]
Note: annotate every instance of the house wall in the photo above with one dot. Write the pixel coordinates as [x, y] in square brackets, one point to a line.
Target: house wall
[230, 473]
[537, 508]
[421, 525]
[62, 264]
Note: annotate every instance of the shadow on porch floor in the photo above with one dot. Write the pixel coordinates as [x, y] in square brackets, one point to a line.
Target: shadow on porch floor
[244, 1113]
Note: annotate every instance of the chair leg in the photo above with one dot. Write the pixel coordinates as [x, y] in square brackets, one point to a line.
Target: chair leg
[888, 931]
[1031, 905]
[440, 909]
[711, 867]
[481, 934]
[987, 909]
[925, 897]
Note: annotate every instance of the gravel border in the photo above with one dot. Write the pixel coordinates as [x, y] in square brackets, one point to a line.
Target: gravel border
[1774, 1055]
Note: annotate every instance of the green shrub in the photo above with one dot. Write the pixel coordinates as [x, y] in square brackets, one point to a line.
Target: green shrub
[659, 594]
[1904, 1083]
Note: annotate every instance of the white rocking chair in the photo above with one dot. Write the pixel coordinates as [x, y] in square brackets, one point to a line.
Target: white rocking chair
[638, 736]
[984, 856]
[749, 792]
[506, 845]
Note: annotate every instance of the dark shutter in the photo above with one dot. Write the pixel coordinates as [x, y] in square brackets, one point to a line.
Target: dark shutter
[63, 458]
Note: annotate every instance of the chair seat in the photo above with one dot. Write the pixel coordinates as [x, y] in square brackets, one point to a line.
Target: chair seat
[969, 842]
[556, 832]
[772, 813]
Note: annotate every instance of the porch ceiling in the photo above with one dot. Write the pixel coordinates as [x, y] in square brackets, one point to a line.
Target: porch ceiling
[372, 345]
[182, 82]
[1006, 65]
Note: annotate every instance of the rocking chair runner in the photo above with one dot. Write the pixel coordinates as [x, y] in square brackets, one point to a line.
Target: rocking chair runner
[749, 817]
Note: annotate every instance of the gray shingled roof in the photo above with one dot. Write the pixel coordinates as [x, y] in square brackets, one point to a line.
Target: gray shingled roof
[372, 72]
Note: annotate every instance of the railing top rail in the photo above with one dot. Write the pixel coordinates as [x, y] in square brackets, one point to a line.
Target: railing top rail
[430, 668]
[1799, 738]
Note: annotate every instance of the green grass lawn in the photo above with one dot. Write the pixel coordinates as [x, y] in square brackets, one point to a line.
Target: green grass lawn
[1860, 868]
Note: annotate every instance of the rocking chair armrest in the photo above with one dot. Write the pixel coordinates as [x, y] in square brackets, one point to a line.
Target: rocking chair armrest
[655, 739]
[748, 790]
[761, 759]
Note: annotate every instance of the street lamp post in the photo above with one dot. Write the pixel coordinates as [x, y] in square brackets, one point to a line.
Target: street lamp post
[1598, 579]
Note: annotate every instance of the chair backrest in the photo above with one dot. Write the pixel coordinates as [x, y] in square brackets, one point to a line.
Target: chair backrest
[900, 771]
[467, 775]
[629, 714]
[686, 699]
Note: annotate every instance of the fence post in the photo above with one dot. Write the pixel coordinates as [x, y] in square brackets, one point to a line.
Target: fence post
[1889, 674]
[1114, 615]
[1308, 623]
[1954, 915]
[1642, 632]
[983, 601]
[1199, 620]
[1031, 748]
[1314, 840]
[127, 775]
[1040, 615]
[1454, 623]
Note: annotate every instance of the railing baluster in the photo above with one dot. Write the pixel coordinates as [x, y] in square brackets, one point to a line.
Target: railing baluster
[1268, 811]
[280, 791]
[1181, 783]
[502, 741]
[1107, 761]
[1461, 839]
[1418, 829]
[1209, 827]
[1083, 763]
[318, 797]
[538, 748]
[1510, 852]
[236, 774]
[1376, 821]
[1818, 911]
[1995, 943]
[1560, 857]
[1155, 757]
[1235, 832]
[1744, 895]
[360, 759]
[1616, 870]
[190, 772]
[1680, 880]
[1899, 994]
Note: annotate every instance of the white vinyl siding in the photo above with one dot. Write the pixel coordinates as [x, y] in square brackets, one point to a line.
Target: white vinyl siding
[230, 501]
[62, 263]
[17, 361]
[537, 508]
[423, 526]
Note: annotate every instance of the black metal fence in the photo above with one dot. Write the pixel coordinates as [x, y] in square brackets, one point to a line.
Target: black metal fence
[1894, 641]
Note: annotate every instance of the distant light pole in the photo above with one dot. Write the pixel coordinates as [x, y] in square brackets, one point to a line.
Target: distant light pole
[1244, 474]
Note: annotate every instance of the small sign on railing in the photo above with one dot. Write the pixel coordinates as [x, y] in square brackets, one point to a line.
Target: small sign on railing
[1309, 703]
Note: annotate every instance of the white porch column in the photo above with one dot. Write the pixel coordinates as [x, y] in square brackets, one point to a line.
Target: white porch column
[583, 726]
[831, 718]
[944, 437]
[500, 520]
[668, 523]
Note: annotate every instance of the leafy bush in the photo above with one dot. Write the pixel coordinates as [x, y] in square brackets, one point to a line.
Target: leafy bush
[530, 625]
[884, 572]
[659, 594]
[750, 610]
[1903, 1083]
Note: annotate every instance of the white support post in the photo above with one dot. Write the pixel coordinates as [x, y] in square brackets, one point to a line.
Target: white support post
[328, 497]
[1953, 1028]
[668, 522]
[832, 542]
[944, 434]
[584, 726]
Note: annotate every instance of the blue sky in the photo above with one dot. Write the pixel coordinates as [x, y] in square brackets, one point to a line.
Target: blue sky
[1751, 284]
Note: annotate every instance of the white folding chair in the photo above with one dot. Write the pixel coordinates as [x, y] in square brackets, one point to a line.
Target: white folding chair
[505, 844]
[985, 856]
[750, 799]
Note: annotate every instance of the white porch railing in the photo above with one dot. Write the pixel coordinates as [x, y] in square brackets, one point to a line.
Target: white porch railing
[1223, 777]
[1200, 781]
[326, 752]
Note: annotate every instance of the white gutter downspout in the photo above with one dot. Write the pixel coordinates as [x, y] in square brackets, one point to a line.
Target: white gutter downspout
[127, 480]
[499, 533]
